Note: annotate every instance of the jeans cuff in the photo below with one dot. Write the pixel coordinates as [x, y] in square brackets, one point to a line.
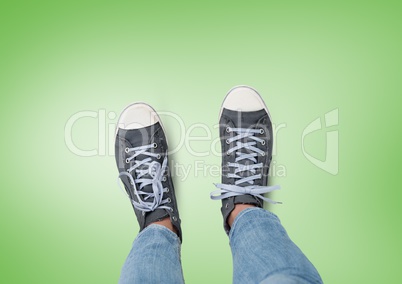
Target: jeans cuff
[254, 210]
[164, 231]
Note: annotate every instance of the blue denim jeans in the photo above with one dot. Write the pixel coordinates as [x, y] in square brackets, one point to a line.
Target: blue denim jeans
[261, 249]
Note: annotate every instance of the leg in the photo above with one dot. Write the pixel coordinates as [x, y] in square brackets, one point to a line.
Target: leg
[263, 252]
[154, 258]
[261, 248]
[141, 152]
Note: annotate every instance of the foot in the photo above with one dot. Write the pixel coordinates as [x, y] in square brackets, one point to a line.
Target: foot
[141, 153]
[245, 130]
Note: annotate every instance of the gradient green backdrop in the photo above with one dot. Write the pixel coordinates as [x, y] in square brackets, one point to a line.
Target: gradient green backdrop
[63, 218]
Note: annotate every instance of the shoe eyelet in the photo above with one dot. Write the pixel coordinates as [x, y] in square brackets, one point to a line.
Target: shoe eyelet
[227, 129]
[143, 213]
[174, 218]
[263, 142]
[263, 154]
[171, 209]
[227, 153]
[227, 205]
[261, 131]
[126, 150]
[158, 157]
[127, 161]
[227, 141]
[167, 190]
[154, 145]
[164, 179]
[169, 200]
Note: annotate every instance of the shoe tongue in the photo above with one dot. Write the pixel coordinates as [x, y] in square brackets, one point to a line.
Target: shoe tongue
[148, 175]
[245, 173]
[155, 215]
[140, 137]
[248, 120]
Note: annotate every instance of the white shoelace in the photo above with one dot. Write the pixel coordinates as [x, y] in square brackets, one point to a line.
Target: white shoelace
[155, 170]
[229, 190]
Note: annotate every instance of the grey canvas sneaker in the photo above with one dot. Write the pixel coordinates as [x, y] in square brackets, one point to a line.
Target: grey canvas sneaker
[245, 131]
[141, 153]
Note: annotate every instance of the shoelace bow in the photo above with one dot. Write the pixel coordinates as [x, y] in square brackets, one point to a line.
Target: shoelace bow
[229, 190]
[142, 168]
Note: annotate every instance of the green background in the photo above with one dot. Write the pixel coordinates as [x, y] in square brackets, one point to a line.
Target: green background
[63, 218]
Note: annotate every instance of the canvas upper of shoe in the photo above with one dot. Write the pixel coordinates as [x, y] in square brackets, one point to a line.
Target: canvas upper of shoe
[142, 160]
[246, 146]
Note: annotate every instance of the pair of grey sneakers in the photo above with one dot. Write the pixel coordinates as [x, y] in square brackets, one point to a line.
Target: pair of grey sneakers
[141, 152]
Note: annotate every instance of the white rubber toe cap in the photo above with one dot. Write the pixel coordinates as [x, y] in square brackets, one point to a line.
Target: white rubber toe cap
[243, 98]
[137, 115]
